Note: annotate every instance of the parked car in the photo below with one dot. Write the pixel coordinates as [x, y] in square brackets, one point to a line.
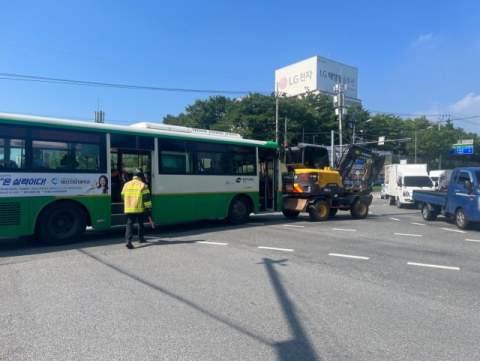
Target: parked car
[382, 192]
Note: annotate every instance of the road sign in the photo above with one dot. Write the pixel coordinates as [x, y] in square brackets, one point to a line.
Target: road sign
[461, 149]
[381, 140]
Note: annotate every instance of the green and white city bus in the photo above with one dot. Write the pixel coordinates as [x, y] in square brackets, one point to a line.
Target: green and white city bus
[59, 176]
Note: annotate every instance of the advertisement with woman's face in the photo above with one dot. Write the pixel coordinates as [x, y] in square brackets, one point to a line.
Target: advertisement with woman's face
[47, 184]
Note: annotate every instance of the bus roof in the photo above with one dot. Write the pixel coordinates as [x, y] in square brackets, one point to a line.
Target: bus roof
[143, 129]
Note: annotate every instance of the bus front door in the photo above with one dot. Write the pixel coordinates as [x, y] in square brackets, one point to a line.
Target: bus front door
[267, 185]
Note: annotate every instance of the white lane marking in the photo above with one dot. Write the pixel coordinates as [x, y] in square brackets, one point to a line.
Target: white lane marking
[473, 240]
[257, 224]
[343, 229]
[418, 224]
[406, 234]
[290, 225]
[454, 230]
[277, 249]
[217, 243]
[346, 256]
[433, 265]
[395, 219]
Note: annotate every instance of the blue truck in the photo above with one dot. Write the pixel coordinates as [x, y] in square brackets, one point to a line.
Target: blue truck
[461, 200]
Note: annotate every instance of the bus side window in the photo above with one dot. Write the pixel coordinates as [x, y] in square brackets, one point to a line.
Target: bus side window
[175, 157]
[12, 148]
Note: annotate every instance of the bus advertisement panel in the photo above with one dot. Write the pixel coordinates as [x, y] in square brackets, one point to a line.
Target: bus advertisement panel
[48, 184]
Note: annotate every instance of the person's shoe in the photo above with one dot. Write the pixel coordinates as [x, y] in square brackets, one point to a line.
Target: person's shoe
[142, 241]
[129, 245]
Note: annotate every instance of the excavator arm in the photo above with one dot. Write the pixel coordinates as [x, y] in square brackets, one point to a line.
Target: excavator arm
[373, 169]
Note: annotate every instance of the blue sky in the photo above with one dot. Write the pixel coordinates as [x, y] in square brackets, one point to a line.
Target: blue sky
[413, 57]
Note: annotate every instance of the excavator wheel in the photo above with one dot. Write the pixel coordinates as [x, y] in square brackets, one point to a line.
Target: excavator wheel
[359, 209]
[320, 211]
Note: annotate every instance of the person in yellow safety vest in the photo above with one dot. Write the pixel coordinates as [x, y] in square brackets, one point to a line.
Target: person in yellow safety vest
[138, 205]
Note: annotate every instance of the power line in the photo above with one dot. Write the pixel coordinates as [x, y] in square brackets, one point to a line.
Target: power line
[120, 86]
[127, 63]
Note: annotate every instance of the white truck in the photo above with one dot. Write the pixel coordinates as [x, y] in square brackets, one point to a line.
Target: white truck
[402, 179]
[441, 177]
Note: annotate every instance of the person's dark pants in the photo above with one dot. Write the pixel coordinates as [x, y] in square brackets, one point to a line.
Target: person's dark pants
[130, 221]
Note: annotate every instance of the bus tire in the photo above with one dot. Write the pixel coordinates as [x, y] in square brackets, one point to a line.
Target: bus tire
[320, 211]
[239, 210]
[333, 212]
[427, 214]
[290, 214]
[62, 223]
[461, 219]
[359, 209]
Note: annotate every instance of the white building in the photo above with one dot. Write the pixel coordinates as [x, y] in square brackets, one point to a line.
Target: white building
[317, 75]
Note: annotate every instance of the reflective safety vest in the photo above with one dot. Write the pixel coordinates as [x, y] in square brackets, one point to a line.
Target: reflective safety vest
[136, 196]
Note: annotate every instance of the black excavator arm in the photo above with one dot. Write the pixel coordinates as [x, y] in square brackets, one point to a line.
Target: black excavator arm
[373, 169]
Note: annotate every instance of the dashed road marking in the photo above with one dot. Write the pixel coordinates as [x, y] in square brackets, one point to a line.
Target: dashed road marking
[454, 230]
[277, 249]
[406, 234]
[418, 224]
[433, 266]
[344, 229]
[216, 243]
[395, 219]
[291, 225]
[346, 256]
[472, 240]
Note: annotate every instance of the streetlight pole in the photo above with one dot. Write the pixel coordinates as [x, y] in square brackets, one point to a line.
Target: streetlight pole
[354, 137]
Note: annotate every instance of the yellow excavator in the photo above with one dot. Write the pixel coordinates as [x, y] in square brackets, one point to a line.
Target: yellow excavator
[310, 185]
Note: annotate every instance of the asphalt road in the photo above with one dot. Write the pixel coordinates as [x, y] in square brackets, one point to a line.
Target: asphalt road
[389, 287]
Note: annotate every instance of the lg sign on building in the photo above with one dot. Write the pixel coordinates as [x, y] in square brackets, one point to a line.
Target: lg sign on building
[316, 75]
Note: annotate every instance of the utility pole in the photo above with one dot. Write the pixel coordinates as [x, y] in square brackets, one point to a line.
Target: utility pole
[99, 117]
[276, 118]
[303, 135]
[285, 140]
[332, 151]
[339, 105]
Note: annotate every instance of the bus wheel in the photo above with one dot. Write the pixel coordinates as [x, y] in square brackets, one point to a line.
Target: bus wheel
[359, 209]
[333, 212]
[290, 214]
[461, 219]
[62, 223]
[320, 211]
[239, 210]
